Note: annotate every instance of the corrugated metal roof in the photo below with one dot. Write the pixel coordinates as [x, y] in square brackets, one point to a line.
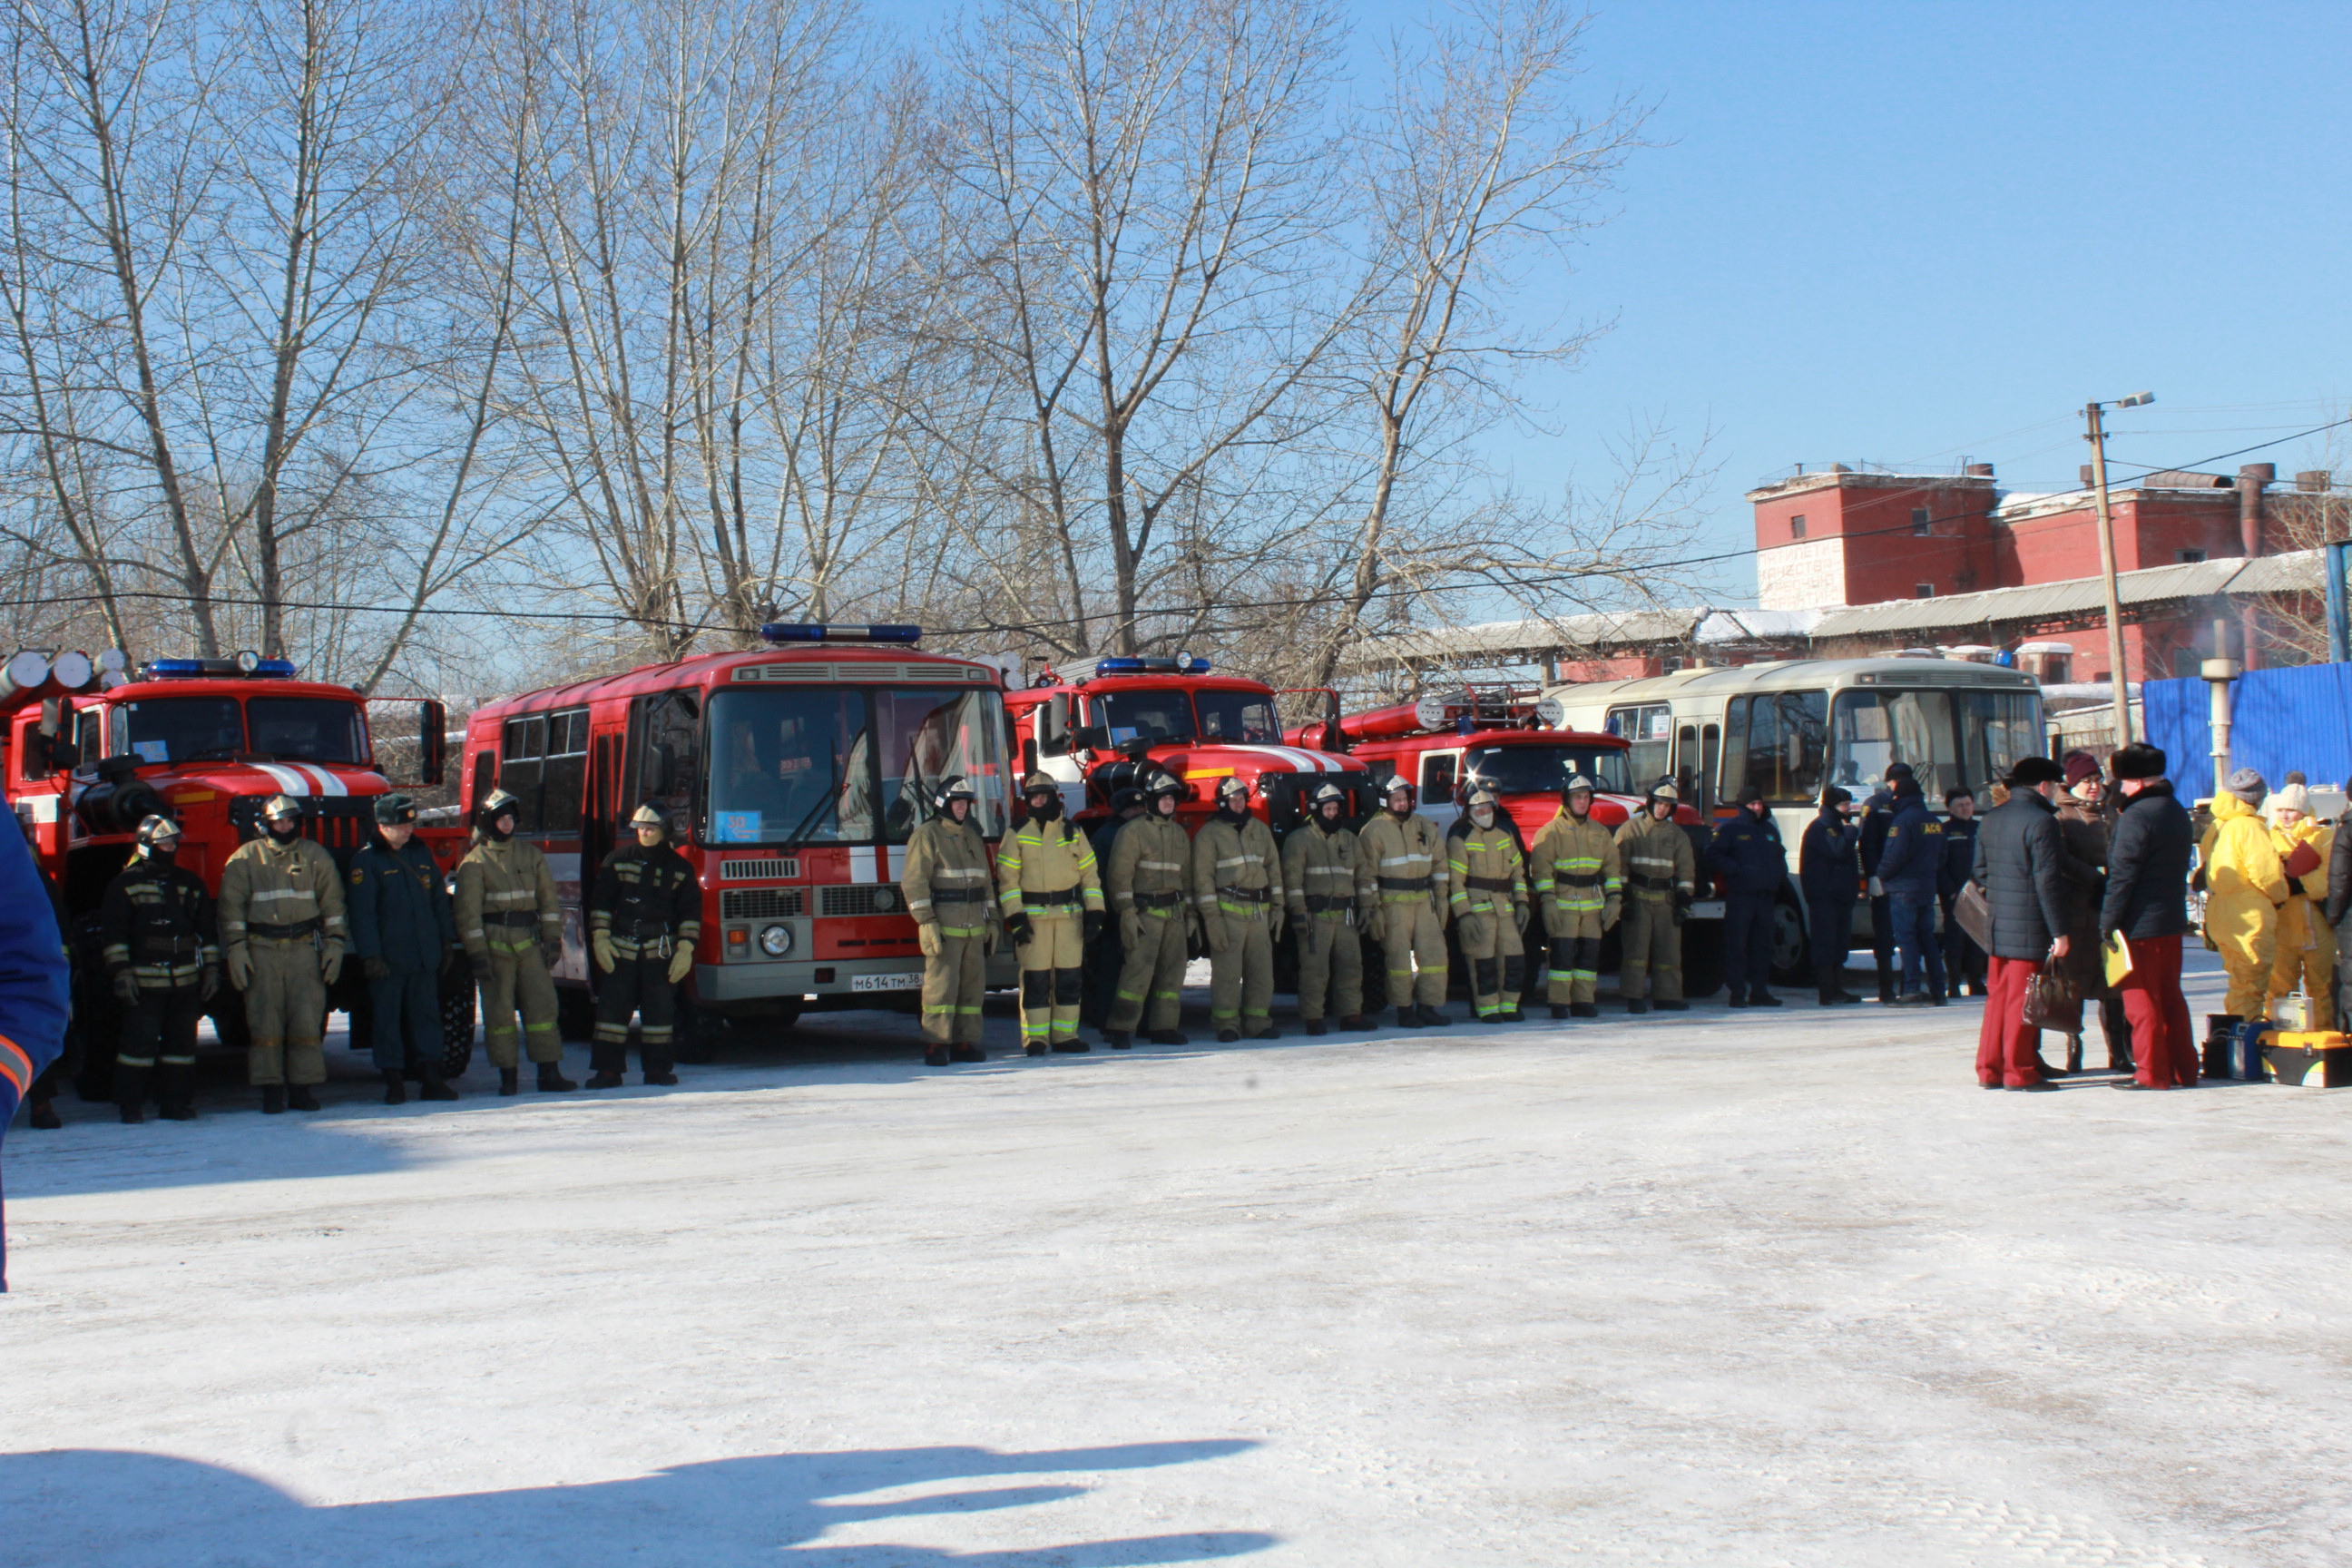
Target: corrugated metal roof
[2076, 595]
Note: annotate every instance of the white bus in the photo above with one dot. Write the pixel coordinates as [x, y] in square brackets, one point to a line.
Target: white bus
[1792, 726]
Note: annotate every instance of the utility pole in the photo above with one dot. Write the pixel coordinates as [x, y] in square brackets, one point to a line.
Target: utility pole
[2097, 437]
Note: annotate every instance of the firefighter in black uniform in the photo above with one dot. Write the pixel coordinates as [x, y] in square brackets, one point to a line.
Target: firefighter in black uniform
[643, 922]
[161, 954]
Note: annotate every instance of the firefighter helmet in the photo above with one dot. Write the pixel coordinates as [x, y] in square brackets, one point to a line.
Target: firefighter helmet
[1576, 782]
[1040, 784]
[157, 831]
[952, 787]
[1396, 785]
[281, 805]
[1480, 796]
[392, 810]
[649, 815]
[1127, 798]
[497, 804]
[1168, 785]
[1664, 790]
[1326, 794]
[1229, 786]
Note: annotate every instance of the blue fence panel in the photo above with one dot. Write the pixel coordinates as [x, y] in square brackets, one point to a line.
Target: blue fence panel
[2279, 719]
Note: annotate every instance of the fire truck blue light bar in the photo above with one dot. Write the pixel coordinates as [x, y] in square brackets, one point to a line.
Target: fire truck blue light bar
[187, 668]
[819, 631]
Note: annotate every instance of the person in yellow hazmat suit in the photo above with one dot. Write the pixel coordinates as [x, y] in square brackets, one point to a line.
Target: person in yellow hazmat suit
[2246, 884]
[2306, 943]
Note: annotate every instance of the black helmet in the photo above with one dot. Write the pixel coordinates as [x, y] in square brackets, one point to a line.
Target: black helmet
[1169, 784]
[497, 803]
[157, 831]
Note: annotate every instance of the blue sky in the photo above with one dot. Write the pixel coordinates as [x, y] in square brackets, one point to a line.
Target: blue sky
[1911, 233]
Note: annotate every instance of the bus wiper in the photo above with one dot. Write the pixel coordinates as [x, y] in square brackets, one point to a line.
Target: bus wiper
[817, 812]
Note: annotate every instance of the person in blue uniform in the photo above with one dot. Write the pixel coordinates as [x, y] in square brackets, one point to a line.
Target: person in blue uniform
[33, 987]
[1747, 853]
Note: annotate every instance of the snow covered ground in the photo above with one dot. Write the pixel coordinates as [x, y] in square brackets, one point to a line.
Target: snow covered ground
[1732, 1289]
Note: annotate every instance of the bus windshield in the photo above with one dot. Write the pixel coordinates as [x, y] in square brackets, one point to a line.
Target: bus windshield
[847, 764]
[1949, 735]
[1541, 769]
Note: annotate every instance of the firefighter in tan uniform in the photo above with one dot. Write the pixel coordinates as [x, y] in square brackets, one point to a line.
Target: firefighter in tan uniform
[1237, 883]
[1487, 888]
[513, 932]
[1662, 876]
[1579, 887]
[282, 938]
[1319, 865]
[1051, 897]
[1148, 878]
[948, 891]
[1401, 885]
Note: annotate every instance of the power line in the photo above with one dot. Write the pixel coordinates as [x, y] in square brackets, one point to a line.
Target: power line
[1401, 590]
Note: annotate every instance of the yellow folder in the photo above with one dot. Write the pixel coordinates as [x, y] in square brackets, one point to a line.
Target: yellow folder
[2118, 958]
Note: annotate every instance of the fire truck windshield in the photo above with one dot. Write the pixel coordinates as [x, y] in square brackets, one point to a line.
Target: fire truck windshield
[288, 729]
[837, 764]
[1236, 717]
[1541, 769]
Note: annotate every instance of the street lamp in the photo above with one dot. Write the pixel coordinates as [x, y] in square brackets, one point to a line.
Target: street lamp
[2098, 440]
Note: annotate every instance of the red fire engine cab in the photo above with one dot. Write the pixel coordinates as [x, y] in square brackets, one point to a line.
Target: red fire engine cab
[91, 747]
[1446, 746]
[792, 776]
[1095, 725]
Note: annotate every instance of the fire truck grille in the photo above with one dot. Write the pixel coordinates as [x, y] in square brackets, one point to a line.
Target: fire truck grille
[759, 903]
[758, 871]
[342, 822]
[864, 899]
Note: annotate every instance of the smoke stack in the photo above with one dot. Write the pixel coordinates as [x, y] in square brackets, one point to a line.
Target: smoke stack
[2252, 478]
[1979, 470]
[2314, 481]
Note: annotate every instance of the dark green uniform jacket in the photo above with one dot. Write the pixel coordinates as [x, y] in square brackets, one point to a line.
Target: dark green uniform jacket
[399, 907]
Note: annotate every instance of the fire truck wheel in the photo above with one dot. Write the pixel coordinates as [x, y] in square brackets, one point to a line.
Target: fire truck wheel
[457, 1024]
[1702, 958]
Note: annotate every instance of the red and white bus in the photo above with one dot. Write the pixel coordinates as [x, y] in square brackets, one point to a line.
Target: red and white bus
[792, 776]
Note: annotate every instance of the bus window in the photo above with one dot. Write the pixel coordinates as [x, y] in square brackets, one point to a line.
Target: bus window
[1687, 761]
[1651, 729]
[519, 758]
[925, 736]
[1995, 729]
[1779, 741]
[1710, 754]
[563, 771]
[1870, 730]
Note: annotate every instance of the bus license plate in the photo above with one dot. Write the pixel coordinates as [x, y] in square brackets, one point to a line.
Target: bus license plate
[886, 982]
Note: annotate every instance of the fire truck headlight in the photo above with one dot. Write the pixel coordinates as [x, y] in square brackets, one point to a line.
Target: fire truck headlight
[884, 900]
[776, 941]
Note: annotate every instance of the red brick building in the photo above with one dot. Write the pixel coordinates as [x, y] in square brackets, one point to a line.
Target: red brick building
[1842, 538]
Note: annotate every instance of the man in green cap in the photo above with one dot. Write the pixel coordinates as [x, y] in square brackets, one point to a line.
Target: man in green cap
[404, 935]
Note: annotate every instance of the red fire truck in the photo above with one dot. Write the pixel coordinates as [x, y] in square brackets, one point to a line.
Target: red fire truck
[1095, 725]
[1502, 739]
[792, 776]
[91, 747]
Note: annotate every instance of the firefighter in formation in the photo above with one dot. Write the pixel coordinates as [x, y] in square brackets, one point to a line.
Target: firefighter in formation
[1237, 882]
[1321, 865]
[1401, 875]
[1051, 897]
[1579, 883]
[282, 936]
[1662, 875]
[1147, 876]
[512, 929]
[947, 889]
[644, 916]
[1487, 876]
[163, 964]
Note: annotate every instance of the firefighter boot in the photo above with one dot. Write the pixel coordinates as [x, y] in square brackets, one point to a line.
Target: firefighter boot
[130, 1093]
[551, 1079]
[273, 1100]
[300, 1098]
[435, 1086]
[936, 1056]
[1559, 1009]
[175, 1091]
[1356, 1023]
[1584, 1009]
[1120, 1040]
[1317, 1026]
[395, 1086]
[510, 1081]
[1168, 1037]
[966, 1053]
[657, 1072]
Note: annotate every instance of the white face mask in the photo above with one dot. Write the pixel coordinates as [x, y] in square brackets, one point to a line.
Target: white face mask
[1484, 816]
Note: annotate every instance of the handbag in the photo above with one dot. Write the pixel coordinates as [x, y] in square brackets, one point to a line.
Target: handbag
[1975, 915]
[2051, 999]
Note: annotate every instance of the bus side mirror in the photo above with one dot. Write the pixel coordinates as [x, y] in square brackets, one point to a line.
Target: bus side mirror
[432, 743]
[1054, 725]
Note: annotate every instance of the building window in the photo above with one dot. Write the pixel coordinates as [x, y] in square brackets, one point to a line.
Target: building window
[1919, 524]
[2186, 556]
[1923, 590]
[1796, 528]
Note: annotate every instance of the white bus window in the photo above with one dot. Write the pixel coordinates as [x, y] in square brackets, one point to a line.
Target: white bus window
[1997, 728]
[1651, 729]
[1784, 742]
[1871, 730]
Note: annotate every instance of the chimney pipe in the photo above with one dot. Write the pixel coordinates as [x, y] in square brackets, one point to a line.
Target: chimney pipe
[2252, 478]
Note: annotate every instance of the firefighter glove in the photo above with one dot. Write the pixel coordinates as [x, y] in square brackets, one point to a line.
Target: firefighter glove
[331, 964]
[1273, 919]
[377, 969]
[1130, 930]
[1220, 939]
[481, 963]
[927, 937]
[1016, 925]
[1093, 922]
[601, 942]
[125, 986]
[240, 968]
[1609, 911]
[209, 986]
[1520, 913]
[681, 961]
[550, 951]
